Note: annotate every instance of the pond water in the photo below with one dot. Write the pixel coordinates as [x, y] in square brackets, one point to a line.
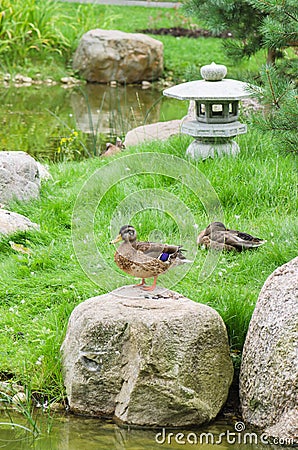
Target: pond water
[68, 432]
[35, 119]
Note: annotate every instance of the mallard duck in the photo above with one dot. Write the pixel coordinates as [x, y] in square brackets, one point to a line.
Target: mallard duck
[112, 149]
[216, 236]
[145, 259]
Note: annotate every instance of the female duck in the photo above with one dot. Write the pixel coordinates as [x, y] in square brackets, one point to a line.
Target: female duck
[145, 259]
[217, 237]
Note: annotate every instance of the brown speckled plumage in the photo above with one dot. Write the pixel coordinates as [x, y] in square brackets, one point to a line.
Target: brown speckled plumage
[217, 237]
[142, 259]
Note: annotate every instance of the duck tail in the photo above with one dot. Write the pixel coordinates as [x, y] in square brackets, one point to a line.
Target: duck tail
[180, 258]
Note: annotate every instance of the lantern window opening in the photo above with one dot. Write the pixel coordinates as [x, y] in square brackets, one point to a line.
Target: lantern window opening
[217, 110]
[233, 109]
[202, 109]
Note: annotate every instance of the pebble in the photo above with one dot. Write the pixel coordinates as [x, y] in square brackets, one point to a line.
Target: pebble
[22, 79]
[10, 388]
[70, 80]
[146, 84]
[56, 407]
[20, 397]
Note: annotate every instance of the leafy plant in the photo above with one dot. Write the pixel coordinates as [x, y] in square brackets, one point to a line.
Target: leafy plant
[24, 405]
[68, 147]
[31, 26]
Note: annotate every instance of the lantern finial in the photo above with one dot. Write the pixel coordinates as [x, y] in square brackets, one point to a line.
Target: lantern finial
[213, 72]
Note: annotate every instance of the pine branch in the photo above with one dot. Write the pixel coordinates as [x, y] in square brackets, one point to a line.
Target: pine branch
[291, 16]
[275, 100]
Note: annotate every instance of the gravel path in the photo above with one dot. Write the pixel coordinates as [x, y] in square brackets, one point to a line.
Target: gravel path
[148, 3]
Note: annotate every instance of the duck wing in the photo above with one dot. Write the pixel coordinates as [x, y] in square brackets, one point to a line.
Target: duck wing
[215, 245]
[241, 240]
[163, 252]
[218, 237]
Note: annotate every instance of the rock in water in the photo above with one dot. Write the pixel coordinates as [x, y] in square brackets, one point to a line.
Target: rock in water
[146, 358]
[269, 370]
[103, 56]
[19, 176]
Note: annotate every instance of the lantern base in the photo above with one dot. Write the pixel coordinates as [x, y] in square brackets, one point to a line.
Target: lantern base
[203, 150]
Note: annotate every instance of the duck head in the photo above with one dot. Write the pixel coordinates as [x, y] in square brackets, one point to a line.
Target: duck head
[127, 233]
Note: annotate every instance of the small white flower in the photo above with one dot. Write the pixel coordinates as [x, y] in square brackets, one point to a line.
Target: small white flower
[39, 360]
[70, 115]
[237, 217]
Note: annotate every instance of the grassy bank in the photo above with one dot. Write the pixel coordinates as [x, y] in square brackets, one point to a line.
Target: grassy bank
[257, 190]
[38, 40]
[258, 193]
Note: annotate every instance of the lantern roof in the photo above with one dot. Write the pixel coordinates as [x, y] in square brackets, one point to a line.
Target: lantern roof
[226, 89]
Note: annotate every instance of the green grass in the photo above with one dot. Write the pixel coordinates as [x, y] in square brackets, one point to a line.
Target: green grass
[39, 41]
[258, 193]
[257, 190]
[183, 58]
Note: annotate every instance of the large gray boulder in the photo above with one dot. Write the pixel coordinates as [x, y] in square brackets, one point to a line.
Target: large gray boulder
[19, 176]
[269, 370]
[11, 222]
[151, 359]
[111, 55]
[153, 131]
[159, 130]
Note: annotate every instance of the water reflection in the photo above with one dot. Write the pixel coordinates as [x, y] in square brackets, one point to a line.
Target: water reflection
[35, 118]
[77, 433]
[114, 110]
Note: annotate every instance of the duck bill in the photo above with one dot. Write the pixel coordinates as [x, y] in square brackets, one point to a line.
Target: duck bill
[117, 239]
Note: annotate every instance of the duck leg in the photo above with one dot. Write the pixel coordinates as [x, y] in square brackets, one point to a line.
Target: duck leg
[140, 284]
[151, 288]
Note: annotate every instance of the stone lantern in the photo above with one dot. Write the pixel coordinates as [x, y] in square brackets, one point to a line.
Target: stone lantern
[217, 109]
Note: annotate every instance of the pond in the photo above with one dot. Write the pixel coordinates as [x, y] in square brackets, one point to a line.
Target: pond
[35, 119]
[68, 432]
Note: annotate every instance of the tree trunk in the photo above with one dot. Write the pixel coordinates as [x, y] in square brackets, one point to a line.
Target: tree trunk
[271, 56]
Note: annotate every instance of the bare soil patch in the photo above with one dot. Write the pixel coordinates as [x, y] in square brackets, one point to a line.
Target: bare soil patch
[185, 32]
